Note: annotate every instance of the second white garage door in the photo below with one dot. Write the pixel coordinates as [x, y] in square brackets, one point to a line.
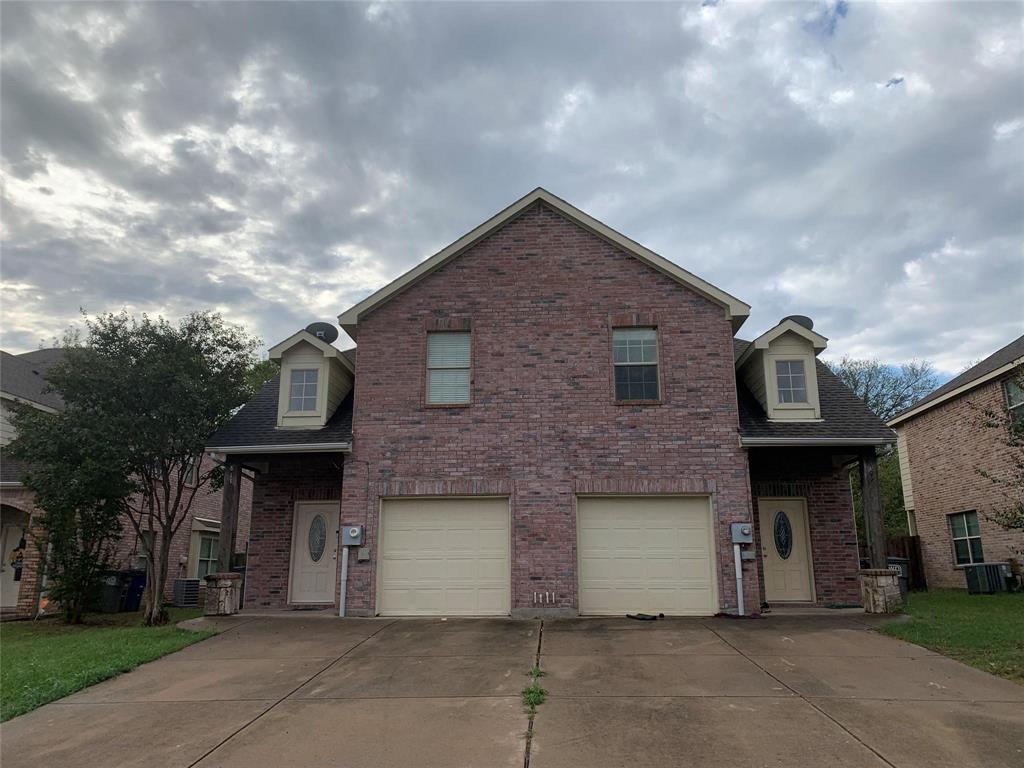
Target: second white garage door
[649, 554]
[444, 557]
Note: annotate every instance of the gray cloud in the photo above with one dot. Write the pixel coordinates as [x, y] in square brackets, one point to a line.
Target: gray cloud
[862, 164]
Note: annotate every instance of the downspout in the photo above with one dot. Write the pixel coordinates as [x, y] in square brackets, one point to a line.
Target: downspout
[343, 590]
[739, 578]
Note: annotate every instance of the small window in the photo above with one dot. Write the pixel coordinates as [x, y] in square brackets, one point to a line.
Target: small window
[966, 538]
[191, 472]
[302, 394]
[1015, 403]
[635, 355]
[208, 546]
[448, 367]
[791, 380]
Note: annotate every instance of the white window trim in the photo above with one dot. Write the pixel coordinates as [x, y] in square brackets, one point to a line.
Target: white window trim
[953, 539]
[302, 419]
[656, 363]
[427, 368]
[775, 405]
[319, 386]
[1012, 409]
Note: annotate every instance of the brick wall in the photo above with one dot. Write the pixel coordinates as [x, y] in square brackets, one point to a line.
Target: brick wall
[947, 445]
[20, 503]
[290, 478]
[541, 295]
[811, 474]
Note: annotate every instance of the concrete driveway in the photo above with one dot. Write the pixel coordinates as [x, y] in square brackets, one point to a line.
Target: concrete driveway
[317, 691]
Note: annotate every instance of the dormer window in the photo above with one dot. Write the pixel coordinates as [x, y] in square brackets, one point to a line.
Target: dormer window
[302, 390]
[792, 381]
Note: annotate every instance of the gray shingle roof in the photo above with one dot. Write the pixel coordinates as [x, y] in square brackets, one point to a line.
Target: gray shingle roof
[1012, 351]
[844, 415]
[256, 424]
[22, 378]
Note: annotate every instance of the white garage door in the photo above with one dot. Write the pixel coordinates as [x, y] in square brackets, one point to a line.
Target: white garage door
[650, 554]
[444, 557]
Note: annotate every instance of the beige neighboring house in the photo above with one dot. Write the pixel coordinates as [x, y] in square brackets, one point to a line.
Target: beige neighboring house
[943, 443]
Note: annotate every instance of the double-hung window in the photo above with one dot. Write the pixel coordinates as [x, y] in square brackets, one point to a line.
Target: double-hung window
[966, 538]
[207, 561]
[635, 355]
[448, 367]
[791, 380]
[302, 389]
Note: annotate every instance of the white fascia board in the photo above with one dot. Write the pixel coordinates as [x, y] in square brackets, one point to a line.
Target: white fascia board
[754, 442]
[303, 336]
[736, 310]
[293, 448]
[955, 392]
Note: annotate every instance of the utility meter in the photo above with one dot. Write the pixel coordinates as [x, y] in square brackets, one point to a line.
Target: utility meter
[742, 533]
[351, 535]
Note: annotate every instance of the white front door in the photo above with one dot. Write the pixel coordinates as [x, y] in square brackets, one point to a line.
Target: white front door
[12, 536]
[786, 550]
[314, 552]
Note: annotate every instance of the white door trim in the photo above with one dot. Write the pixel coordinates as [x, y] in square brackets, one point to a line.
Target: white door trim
[807, 539]
[335, 507]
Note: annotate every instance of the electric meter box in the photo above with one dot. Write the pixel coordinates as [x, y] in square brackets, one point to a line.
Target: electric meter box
[742, 533]
[351, 535]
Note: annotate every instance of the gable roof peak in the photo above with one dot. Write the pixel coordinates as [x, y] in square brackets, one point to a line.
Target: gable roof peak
[737, 311]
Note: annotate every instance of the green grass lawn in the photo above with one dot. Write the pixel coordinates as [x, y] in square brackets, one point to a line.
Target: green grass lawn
[985, 631]
[41, 661]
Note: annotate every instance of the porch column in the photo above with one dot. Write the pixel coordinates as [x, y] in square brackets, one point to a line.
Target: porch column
[228, 515]
[871, 495]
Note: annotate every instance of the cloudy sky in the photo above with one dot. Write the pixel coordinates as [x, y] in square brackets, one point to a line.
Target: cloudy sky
[861, 164]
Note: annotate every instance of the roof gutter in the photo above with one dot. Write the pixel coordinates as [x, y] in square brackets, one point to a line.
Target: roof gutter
[754, 442]
[955, 392]
[293, 448]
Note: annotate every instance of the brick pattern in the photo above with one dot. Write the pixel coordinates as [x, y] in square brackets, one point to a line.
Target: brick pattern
[541, 296]
[20, 502]
[947, 444]
[290, 478]
[206, 505]
[812, 475]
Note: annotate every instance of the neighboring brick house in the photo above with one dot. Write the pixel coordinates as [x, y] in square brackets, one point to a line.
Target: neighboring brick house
[546, 418]
[943, 443]
[23, 380]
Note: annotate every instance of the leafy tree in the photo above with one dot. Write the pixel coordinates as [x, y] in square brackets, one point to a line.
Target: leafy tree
[261, 372]
[82, 497]
[146, 394]
[1009, 479]
[887, 390]
[890, 485]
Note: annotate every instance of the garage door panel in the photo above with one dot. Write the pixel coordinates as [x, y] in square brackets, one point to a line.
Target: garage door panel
[651, 554]
[444, 557]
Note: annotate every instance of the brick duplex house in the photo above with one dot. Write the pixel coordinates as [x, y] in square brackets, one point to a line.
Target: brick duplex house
[193, 549]
[942, 444]
[546, 418]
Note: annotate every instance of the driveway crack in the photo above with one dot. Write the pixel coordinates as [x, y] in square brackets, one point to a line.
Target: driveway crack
[290, 693]
[800, 696]
[529, 722]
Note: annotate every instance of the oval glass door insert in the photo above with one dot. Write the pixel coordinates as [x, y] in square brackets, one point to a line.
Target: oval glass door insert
[783, 530]
[317, 538]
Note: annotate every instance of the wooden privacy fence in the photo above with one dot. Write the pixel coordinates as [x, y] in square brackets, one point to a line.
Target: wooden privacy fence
[909, 548]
